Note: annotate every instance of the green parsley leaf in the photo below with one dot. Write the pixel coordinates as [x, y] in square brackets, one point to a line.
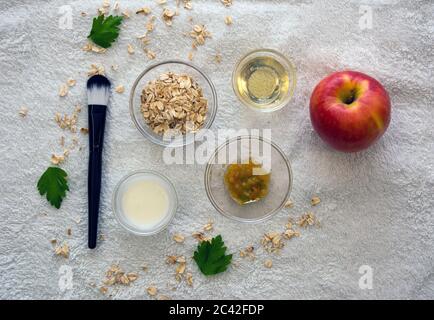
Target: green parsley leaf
[211, 256]
[105, 30]
[53, 183]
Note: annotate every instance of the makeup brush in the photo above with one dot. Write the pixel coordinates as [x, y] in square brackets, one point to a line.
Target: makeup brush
[98, 94]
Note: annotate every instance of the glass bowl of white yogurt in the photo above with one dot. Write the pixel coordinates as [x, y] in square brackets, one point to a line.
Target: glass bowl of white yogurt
[144, 202]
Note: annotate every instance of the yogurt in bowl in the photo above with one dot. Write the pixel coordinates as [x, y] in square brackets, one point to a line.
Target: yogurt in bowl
[144, 202]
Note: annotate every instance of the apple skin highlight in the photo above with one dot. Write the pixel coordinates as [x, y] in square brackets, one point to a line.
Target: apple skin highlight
[350, 110]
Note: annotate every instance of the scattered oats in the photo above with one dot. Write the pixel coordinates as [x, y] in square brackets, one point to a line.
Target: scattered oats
[272, 242]
[189, 279]
[171, 259]
[199, 34]
[208, 226]
[276, 240]
[289, 224]
[65, 152]
[114, 67]
[180, 268]
[146, 41]
[248, 252]
[144, 10]
[289, 204]
[63, 91]
[83, 14]
[132, 276]
[190, 56]
[150, 24]
[106, 4]
[197, 28]
[115, 275]
[174, 104]
[168, 16]
[78, 220]
[315, 200]
[178, 238]
[145, 267]
[120, 89]
[101, 237]
[188, 5]
[103, 290]
[68, 121]
[307, 219]
[69, 231]
[161, 2]
[143, 36]
[152, 291]
[94, 48]
[228, 20]
[102, 11]
[250, 249]
[71, 82]
[62, 250]
[23, 111]
[116, 6]
[268, 263]
[163, 297]
[226, 3]
[53, 241]
[126, 14]
[290, 233]
[218, 58]
[84, 130]
[150, 54]
[130, 49]
[57, 159]
[96, 69]
[181, 259]
[199, 236]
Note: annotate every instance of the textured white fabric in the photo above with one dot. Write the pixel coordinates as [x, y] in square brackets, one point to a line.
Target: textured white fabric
[377, 206]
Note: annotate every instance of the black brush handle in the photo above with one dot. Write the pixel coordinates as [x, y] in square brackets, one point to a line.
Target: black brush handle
[97, 115]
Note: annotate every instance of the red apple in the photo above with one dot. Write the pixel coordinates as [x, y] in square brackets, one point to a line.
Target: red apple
[350, 110]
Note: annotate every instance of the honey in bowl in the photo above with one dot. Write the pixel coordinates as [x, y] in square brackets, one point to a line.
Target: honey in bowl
[247, 182]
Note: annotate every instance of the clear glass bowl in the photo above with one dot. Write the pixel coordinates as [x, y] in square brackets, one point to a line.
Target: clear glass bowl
[149, 176]
[280, 181]
[289, 68]
[152, 73]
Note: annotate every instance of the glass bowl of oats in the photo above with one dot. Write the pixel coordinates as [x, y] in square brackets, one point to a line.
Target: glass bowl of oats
[248, 179]
[172, 103]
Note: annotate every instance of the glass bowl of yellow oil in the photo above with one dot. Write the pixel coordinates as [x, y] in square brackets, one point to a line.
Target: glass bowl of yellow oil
[264, 80]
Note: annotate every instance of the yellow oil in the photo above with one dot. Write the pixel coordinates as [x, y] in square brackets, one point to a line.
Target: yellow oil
[262, 82]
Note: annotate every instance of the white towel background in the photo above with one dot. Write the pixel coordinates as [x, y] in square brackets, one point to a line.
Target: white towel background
[377, 205]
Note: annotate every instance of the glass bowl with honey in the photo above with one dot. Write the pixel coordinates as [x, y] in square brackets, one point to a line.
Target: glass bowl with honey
[248, 179]
[264, 80]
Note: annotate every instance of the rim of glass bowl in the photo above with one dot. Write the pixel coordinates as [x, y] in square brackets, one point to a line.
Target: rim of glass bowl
[118, 215]
[208, 175]
[184, 141]
[286, 63]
